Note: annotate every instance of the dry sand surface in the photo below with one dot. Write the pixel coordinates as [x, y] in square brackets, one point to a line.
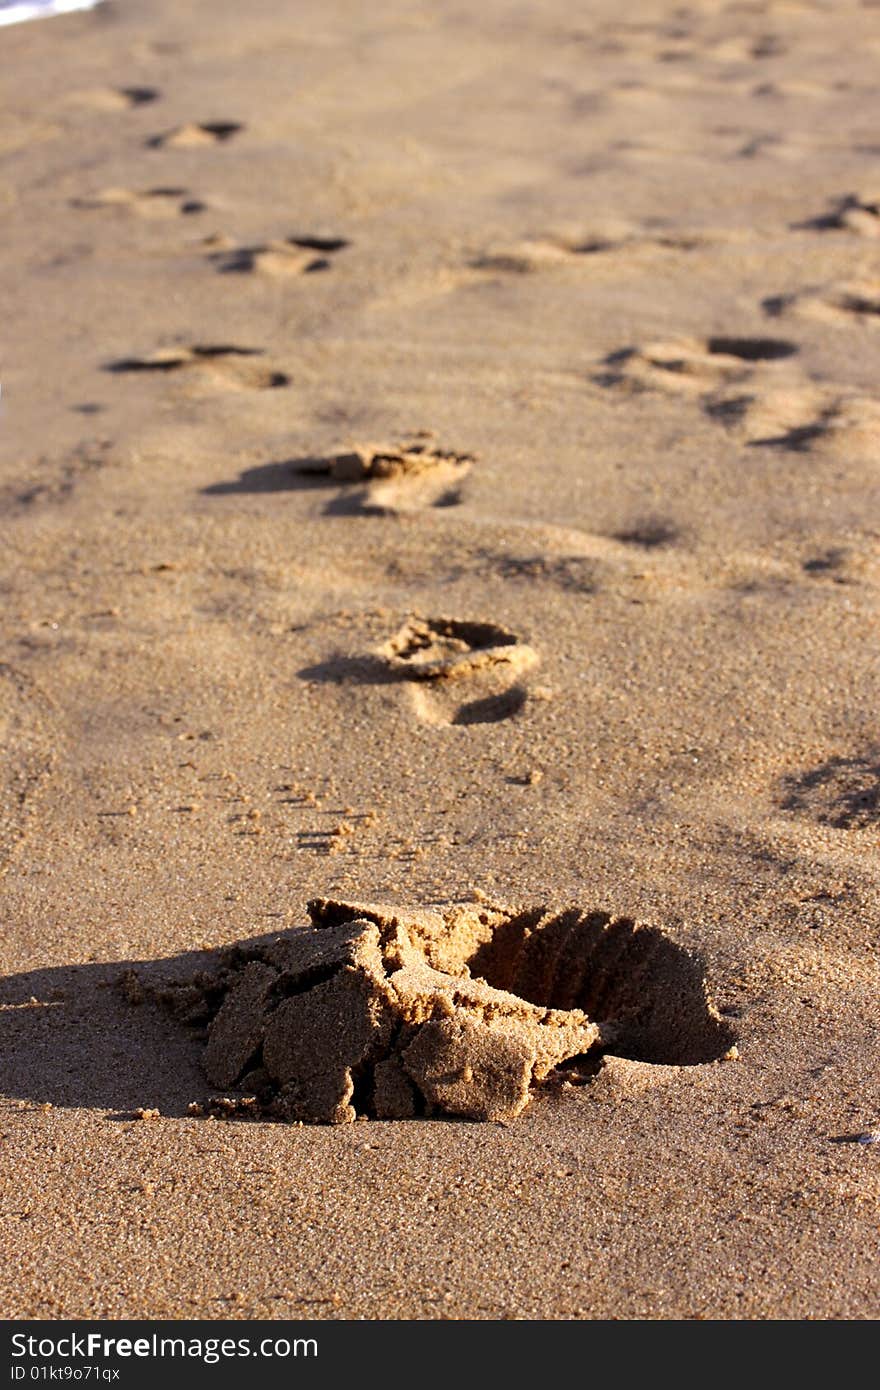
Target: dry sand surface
[440, 462]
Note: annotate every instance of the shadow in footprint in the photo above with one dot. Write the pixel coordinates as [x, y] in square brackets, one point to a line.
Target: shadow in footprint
[797, 440]
[170, 359]
[139, 96]
[854, 212]
[752, 349]
[294, 255]
[491, 709]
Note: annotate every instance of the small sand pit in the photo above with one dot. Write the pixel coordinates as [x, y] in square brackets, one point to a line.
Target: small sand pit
[395, 1013]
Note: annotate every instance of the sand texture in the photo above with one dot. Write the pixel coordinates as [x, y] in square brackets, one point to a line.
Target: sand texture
[440, 469]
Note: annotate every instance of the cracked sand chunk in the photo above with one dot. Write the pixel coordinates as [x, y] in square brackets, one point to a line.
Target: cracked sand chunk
[395, 1012]
[467, 1069]
[238, 1029]
[548, 1035]
[318, 1042]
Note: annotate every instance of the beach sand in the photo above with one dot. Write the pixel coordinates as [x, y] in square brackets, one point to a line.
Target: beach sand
[329, 323]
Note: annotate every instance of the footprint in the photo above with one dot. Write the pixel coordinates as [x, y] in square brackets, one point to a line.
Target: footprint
[25, 756]
[735, 383]
[289, 256]
[568, 248]
[393, 478]
[843, 792]
[54, 479]
[149, 202]
[524, 257]
[195, 135]
[399, 1012]
[690, 365]
[842, 301]
[114, 98]
[842, 426]
[854, 212]
[223, 364]
[462, 672]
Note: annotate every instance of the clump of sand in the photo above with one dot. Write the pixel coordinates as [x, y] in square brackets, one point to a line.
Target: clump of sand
[394, 1013]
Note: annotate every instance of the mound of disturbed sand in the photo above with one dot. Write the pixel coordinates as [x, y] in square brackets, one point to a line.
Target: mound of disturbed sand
[396, 1013]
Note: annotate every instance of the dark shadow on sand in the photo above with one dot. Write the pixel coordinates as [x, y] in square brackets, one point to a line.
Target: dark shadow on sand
[69, 1036]
[353, 670]
[288, 475]
[301, 475]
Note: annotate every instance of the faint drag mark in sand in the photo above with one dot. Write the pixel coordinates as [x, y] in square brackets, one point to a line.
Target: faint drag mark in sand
[462, 672]
[196, 135]
[854, 212]
[223, 364]
[843, 792]
[149, 202]
[289, 256]
[26, 756]
[842, 302]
